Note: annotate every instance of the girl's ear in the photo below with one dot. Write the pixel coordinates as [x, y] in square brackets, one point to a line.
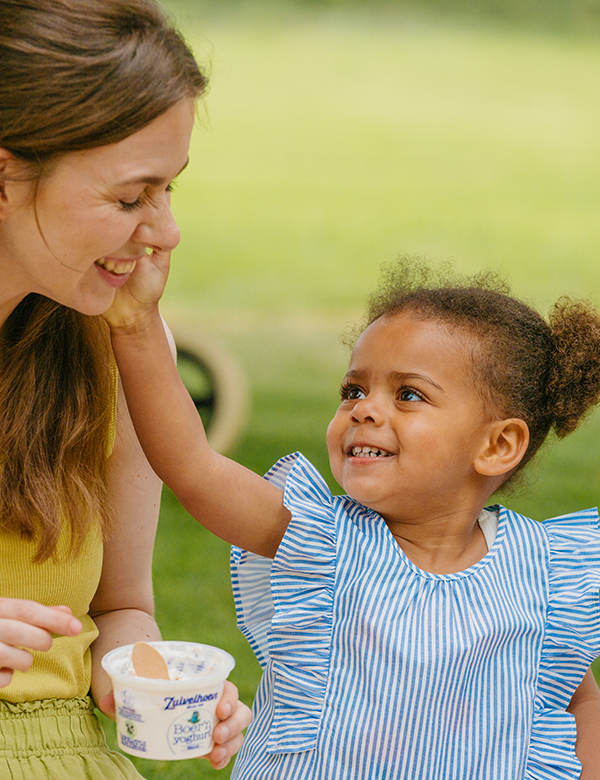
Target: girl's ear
[506, 445]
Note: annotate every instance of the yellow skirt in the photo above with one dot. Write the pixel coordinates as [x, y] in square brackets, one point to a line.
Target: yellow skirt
[56, 739]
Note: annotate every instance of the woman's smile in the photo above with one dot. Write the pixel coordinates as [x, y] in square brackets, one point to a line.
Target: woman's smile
[115, 272]
[73, 235]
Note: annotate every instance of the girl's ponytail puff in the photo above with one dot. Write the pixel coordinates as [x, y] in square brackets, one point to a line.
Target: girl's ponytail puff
[545, 372]
[574, 378]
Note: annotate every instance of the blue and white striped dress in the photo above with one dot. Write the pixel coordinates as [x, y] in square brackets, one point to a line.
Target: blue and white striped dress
[375, 669]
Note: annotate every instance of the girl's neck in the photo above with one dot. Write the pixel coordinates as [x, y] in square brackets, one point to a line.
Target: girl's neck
[442, 545]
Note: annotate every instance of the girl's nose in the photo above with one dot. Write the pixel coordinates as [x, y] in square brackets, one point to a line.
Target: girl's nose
[368, 410]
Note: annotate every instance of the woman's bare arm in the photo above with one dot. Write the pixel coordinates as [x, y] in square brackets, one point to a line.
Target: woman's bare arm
[123, 607]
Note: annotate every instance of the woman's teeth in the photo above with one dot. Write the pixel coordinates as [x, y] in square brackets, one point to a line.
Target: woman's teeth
[125, 268]
[369, 452]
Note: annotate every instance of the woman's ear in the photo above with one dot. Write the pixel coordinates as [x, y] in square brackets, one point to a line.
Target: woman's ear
[504, 449]
[8, 169]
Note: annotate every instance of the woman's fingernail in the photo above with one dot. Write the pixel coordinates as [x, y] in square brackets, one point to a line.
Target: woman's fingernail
[226, 709]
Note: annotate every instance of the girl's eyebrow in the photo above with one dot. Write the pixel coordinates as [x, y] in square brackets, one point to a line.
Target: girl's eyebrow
[401, 376]
[152, 180]
[398, 376]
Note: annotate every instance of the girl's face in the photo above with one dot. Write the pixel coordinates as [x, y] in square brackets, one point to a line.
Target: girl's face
[410, 425]
[76, 234]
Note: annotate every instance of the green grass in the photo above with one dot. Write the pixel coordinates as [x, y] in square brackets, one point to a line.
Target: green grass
[336, 141]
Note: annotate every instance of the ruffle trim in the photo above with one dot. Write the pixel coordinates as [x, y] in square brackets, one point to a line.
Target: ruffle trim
[285, 606]
[552, 748]
[571, 643]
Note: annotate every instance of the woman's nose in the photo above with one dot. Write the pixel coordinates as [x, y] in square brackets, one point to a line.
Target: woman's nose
[159, 230]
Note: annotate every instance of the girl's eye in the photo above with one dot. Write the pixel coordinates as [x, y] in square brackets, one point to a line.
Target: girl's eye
[127, 206]
[351, 393]
[408, 394]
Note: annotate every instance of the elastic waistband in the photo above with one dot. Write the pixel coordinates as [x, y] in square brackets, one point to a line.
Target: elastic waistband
[49, 727]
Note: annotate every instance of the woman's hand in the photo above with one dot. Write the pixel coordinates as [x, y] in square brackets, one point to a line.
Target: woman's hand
[235, 717]
[27, 624]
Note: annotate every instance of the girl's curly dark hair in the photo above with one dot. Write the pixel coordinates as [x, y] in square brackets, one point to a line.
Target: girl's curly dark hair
[546, 373]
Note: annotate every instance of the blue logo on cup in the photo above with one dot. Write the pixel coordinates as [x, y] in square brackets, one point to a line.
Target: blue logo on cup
[190, 731]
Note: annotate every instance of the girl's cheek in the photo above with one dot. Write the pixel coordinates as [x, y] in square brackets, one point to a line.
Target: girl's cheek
[332, 436]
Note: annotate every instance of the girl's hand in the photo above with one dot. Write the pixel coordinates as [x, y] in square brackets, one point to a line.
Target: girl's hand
[136, 302]
[227, 735]
[27, 624]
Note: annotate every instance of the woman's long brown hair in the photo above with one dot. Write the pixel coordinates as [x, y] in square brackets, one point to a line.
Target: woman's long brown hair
[55, 417]
[74, 75]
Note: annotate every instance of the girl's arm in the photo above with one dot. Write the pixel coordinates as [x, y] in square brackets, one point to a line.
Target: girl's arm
[231, 501]
[585, 707]
[123, 606]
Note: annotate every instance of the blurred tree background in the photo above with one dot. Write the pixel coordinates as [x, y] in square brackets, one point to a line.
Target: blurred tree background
[336, 135]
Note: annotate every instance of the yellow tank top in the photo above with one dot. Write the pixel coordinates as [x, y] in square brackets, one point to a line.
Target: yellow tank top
[64, 671]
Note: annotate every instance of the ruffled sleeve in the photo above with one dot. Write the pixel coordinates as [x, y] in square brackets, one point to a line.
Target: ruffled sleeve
[285, 606]
[571, 643]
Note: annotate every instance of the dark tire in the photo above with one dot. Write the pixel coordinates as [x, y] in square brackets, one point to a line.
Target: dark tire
[215, 382]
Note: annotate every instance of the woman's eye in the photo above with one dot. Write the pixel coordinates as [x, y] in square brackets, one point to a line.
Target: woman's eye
[130, 206]
[408, 394]
[352, 393]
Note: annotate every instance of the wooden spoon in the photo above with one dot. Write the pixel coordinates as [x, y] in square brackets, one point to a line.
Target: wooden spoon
[148, 662]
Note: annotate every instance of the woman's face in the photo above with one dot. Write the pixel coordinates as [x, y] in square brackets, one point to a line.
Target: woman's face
[75, 234]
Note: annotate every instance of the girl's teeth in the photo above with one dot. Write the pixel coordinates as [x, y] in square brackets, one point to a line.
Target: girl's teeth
[368, 452]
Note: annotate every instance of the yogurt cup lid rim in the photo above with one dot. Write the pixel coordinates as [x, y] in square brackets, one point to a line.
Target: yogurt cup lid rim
[124, 650]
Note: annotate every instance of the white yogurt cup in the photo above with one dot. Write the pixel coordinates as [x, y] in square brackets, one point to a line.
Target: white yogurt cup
[169, 719]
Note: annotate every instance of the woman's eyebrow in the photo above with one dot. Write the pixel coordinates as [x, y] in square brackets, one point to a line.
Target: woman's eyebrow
[152, 180]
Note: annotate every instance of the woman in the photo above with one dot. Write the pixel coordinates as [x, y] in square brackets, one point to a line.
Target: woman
[96, 113]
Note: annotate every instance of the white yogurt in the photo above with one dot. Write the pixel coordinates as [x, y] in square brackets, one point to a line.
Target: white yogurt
[169, 719]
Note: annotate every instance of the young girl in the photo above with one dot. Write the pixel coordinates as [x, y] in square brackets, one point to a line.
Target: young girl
[405, 630]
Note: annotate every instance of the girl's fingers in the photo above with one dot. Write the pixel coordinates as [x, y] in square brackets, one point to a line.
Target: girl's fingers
[5, 677]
